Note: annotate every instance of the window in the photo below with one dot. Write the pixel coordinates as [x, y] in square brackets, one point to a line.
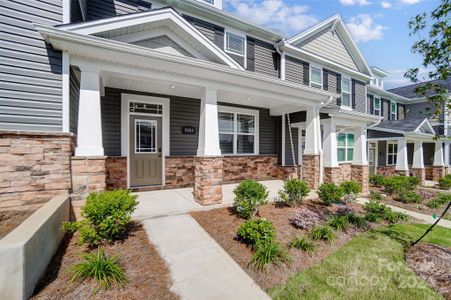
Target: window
[237, 132]
[145, 108]
[392, 153]
[377, 106]
[345, 147]
[145, 136]
[316, 78]
[393, 110]
[209, 1]
[235, 43]
[346, 92]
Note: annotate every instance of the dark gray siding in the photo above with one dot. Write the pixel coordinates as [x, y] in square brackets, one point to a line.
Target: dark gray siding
[294, 118]
[382, 134]
[419, 110]
[30, 70]
[184, 112]
[266, 59]
[76, 13]
[358, 96]
[74, 98]
[382, 155]
[100, 9]
[296, 71]
[111, 121]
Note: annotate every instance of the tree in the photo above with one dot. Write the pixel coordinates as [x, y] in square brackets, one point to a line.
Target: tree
[435, 49]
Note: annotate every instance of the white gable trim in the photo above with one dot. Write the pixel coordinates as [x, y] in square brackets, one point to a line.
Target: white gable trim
[428, 124]
[337, 24]
[161, 15]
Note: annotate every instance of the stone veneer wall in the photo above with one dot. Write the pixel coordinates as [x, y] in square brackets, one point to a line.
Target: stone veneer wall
[311, 170]
[420, 173]
[208, 174]
[116, 172]
[179, 171]
[386, 171]
[428, 172]
[338, 174]
[361, 175]
[438, 172]
[34, 167]
[258, 167]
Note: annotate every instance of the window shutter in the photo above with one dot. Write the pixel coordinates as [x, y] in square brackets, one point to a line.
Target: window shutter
[250, 53]
[353, 93]
[339, 89]
[389, 110]
[306, 73]
[325, 79]
[371, 97]
[382, 107]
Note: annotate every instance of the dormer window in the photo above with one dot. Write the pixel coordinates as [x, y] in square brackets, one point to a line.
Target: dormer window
[377, 106]
[235, 44]
[316, 77]
[346, 92]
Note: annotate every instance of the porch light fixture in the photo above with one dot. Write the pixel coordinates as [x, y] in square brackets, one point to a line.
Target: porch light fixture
[172, 86]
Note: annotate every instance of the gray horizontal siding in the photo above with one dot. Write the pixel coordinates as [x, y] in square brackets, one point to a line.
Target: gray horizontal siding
[296, 70]
[359, 96]
[184, 112]
[382, 134]
[385, 109]
[100, 9]
[30, 70]
[266, 59]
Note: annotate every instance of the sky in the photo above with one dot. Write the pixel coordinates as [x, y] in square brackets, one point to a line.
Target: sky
[379, 27]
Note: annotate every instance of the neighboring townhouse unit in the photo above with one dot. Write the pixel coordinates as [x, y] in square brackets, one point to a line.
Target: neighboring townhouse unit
[150, 94]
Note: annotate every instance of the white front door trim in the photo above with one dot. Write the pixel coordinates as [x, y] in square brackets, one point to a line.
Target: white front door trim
[125, 127]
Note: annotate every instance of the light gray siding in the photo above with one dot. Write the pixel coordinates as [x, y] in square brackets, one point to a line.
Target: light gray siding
[101, 9]
[266, 59]
[164, 44]
[30, 70]
[358, 96]
[296, 70]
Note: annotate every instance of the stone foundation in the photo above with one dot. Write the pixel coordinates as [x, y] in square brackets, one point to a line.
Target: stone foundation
[179, 171]
[428, 172]
[116, 172]
[386, 170]
[34, 167]
[257, 167]
[361, 175]
[338, 174]
[438, 172]
[311, 170]
[208, 175]
[420, 173]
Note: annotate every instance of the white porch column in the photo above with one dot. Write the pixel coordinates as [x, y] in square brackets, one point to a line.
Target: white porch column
[89, 133]
[312, 132]
[330, 144]
[402, 163]
[438, 154]
[418, 160]
[360, 147]
[208, 127]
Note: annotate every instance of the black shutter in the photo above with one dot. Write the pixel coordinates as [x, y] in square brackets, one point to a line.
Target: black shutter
[250, 53]
[325, 79]
[353, 93]
[389, 110]
[371, 104]
[306, 73]
[382, 107]
[339, 89]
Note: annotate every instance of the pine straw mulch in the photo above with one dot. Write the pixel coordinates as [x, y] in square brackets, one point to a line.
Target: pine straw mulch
[10, 219]
[222, 224]
[147, 274]
[433, 264]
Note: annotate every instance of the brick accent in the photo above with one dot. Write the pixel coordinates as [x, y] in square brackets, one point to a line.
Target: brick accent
[428, 171]
[116, 172]
[208, 174]
[361, 174]
[257, 167]
[386, 170]
[420, 173]
[179, 171]
[311, 170]
[438, 172]
[34, 167]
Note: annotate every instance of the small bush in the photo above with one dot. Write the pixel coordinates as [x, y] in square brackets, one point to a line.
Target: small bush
[406, 196]
[414, 181]
[444, 183]
[357, 220]
[269, 252]
[377, 180]
[351, 189]
[378, 212]
[249, 195]
[330, 193]
[303, 244]
[339, 222]
[439, 201]
[257, 231]
[375, 196]
[426, 194]
[304, 218]
[324, 233]
[104, 270]
[394, 184]
[294, 191]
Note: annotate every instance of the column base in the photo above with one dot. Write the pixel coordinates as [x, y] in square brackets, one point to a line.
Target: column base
[438, 172]
[420, 173]
[332, 174]
[311, 170]
[402, 172]
[361, 175]
[208, 176]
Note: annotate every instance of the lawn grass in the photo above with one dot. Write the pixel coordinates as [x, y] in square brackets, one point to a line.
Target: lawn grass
[370, 266]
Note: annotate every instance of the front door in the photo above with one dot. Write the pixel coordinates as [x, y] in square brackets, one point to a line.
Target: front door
[145, 150]
[372, 159]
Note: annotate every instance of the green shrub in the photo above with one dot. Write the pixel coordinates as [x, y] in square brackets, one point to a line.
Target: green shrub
[104, 270]
[303, 244]
[439, 201]
[330, 193]
[339, 222]
[378, 212]
[294, 191]
[414, 181]
[377, 180]
[324, 233]
[394, 184]
[104, 216]
[444, 183]
[356, 220]
[269, 252]
[253, 232]
[351, 189]
[407, 196]
[375, 196]
[249, 195]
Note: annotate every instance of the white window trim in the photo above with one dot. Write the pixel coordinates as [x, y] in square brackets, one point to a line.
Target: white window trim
[391, 111]
[155, 123]
[244, 111]
[380, 106]
[350, 93]
[310, 75]
[346, 147]
[394, 142]
[227, 31]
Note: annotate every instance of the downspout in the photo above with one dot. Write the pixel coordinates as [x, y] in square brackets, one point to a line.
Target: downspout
[282, 57]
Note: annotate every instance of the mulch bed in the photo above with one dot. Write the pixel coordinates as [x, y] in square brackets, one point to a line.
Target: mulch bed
[222, 224]
[433, 264]
[147, 274]
[10, 219]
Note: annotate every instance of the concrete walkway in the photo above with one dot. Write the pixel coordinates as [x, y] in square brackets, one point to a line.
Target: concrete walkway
[200, 268]
[422, 217]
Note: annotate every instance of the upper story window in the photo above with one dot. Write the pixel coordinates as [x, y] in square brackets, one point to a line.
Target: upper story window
[209, 1]
[345, 147]
[316, 76]
[377, 106]
[235, 43]
[346, 92]
[393, 110]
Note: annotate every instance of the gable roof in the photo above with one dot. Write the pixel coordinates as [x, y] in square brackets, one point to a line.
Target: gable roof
[139, 22]
[408, 91]
[406, 126]
[336, 24]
